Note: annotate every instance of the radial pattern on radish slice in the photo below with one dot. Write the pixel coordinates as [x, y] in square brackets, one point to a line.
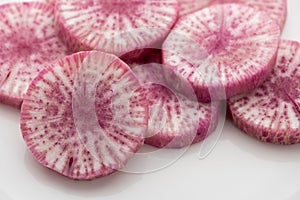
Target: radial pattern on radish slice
[176, 119]
[85, 116]
[29, 43]
[277, 9]
[115, 26]
[271, 113]
[229, 46]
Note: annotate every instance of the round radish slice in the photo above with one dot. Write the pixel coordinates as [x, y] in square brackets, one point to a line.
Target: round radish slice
[29, 43]
[85, 116]
[176, 119]
[115, 26]
[271, 113]
[229, 46]
[277, 9]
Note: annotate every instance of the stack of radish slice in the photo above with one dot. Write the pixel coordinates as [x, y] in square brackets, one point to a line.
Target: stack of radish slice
[144, 71]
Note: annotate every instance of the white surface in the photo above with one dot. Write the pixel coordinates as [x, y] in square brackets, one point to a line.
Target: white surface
[240, 167]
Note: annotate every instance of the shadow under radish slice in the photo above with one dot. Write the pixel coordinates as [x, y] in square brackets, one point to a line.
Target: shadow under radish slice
[29, 42]
[115, 26]
[229, 46]
[85, 116]
[276, 9]
[271, 112]
[176, 119]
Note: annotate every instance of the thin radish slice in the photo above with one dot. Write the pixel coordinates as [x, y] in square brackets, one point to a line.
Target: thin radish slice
[115, 26]
[271, 113]
[85, 116]
[229, 46]
[277, 9]
[176, 119]
[29, 43]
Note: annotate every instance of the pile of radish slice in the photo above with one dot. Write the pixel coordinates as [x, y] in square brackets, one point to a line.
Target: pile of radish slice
[95, 80]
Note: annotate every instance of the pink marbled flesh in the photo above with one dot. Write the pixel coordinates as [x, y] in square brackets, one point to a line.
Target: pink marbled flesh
[277, 9]
[230, 46]
[29, 42]
[175, 120]
[78, 133]
[115, 26]
[271, 112]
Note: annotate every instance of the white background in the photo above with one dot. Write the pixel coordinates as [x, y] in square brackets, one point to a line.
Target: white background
[240, 167]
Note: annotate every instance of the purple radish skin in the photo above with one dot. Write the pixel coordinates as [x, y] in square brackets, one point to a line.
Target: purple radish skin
[271, 113]
[29, 44]
[77, 149]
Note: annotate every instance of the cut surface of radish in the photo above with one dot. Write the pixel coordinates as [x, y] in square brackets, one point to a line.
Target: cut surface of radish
[277, 9]
[229, 46]
[271, 113]
[85, 116]
[176, 119]
[29, 43]
[115, 26]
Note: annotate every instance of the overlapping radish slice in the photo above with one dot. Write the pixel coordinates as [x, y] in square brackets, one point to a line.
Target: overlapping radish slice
[271, 113]
[229, 46]
[115, 26]
[29, 42]
[85, 116]
[176, 119]
[277, 9]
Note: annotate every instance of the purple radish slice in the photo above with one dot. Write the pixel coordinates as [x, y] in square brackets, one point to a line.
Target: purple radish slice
[230, 46]
[115, 26]
[57, 115]
[277, 9]
[271, 112]
[176, 120]
[175, 114]
[29, 43]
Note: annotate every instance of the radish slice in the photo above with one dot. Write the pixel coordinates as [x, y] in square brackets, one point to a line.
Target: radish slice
[85, 116]
[229, 46]
[176, 119]
[271, 113]
[115, 26]
[277, 9]
[29, 43]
